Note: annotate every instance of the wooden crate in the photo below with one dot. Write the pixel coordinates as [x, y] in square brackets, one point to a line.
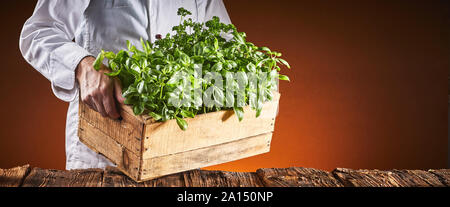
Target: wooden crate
[144, 149]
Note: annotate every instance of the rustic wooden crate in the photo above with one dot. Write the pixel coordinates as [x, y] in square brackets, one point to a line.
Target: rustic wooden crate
[144, 149]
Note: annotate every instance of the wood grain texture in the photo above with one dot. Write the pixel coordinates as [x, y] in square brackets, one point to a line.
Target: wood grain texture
[203, 178]
[13, 177]
[269, 177]
[296, 177]
[59, 178]
[172, 180]
[443, 175]
[208, 129]
[168, 164]
[392, 178]
[127, 132]
[114, 151]
[113, 177]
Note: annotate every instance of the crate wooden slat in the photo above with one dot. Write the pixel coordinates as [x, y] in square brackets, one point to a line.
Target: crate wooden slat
[127, 132]
[207, 156]
[144, 149]
[207, 130]
[98, 141]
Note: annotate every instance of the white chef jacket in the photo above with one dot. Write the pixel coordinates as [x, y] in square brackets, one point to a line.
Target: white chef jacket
[62, 32]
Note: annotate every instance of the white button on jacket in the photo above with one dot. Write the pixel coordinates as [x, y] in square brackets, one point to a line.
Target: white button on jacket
[62, 32]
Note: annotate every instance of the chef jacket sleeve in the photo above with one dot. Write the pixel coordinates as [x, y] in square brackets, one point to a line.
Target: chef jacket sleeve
[46, 42]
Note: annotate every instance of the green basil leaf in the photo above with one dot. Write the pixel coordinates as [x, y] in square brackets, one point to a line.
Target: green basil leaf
[110, 55]
[216, 44]
[140, 87]
[258, 112]
[239, 111]
[138, 109]
[128, 45]
[136, 68]
[284, 62]
[181, 123]
[217, 67]
[265, 49]
[99, 60]
[114, 73]
[251, 67]
[155, 116]
[283, 77]
[130, 90]
[186, 113]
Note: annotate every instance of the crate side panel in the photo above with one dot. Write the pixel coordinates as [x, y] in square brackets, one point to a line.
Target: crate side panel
[163, 138]
[217, 154]
[111, 149]
[127, 132]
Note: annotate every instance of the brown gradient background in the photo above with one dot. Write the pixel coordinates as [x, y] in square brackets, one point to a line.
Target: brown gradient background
[368, 89]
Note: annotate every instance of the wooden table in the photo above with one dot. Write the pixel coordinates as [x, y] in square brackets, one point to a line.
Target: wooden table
[27, 176]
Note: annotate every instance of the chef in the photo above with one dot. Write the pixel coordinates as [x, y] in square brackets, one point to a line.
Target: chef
[61, 38]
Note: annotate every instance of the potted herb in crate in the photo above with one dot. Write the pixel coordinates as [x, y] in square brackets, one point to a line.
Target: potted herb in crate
[201, 97]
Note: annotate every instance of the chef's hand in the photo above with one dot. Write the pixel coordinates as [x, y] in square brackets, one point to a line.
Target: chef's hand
[101, 92]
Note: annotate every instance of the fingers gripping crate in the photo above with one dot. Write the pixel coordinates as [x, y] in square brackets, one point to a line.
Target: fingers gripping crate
[144, 149]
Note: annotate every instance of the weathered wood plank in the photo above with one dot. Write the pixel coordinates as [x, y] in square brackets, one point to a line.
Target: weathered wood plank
[204, 178]
[276, 177]
[443, 175]
[60, 178]
[207, 130]
[296, 177]
[13, 177]
[392, 178]
[168, 164]
[114, 151]
[173, 180]
[113, 177]
[127, 132]
[418, 178]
